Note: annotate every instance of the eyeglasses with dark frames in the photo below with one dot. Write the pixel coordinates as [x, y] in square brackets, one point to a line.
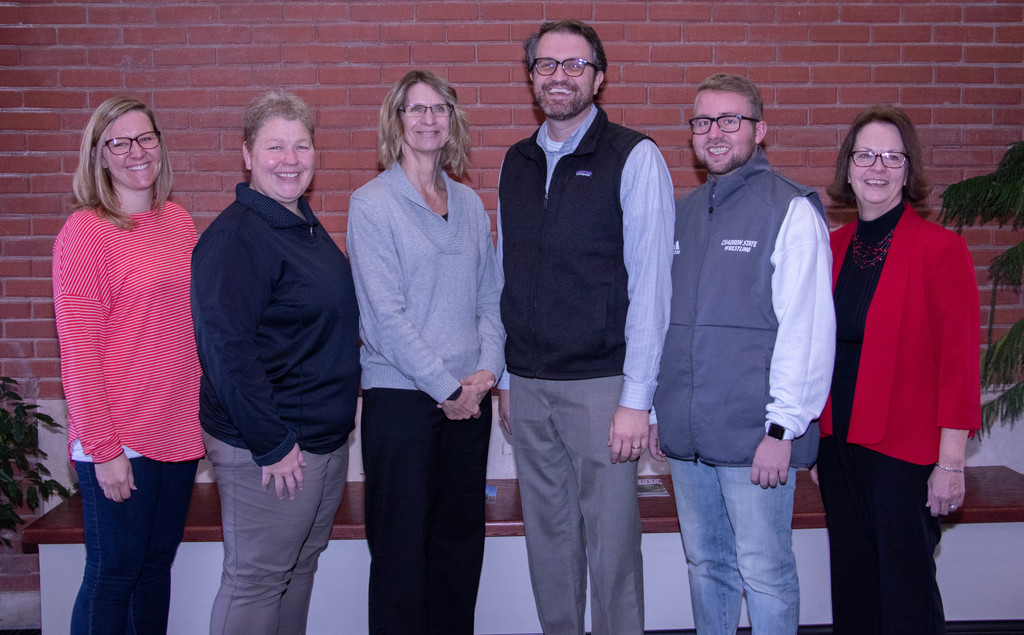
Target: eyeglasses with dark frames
[123, 145]
[726, 123]
[867, 158]
[573, 67]
[418, 110]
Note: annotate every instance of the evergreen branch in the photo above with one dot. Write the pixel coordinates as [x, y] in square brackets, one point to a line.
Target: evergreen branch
[1005, 358]
[1007, 268]
[1007, 407]
[995, 197]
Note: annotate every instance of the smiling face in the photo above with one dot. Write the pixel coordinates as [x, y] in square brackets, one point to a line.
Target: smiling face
[132, 175]
[723, 153]
[425, 134]
[281, 161]
[878, 189]
[564, 98]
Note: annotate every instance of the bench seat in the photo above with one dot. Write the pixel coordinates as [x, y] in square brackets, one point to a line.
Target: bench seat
[994, 494]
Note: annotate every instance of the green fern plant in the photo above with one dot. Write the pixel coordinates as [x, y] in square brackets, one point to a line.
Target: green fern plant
[999, 198]
[24, 479]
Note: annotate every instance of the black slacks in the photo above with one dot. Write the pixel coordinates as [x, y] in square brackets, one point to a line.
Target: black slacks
[882, 542]
[425, 479]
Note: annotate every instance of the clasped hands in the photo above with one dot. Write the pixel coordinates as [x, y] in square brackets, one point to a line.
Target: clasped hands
[474, 388]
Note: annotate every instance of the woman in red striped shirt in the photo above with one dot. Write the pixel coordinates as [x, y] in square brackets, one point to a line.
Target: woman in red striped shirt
[129, 368]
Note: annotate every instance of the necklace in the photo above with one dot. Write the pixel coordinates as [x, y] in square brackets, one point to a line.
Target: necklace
[865, 256]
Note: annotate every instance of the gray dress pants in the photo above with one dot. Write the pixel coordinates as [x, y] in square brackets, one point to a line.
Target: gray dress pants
[271, 546]
[579, 509]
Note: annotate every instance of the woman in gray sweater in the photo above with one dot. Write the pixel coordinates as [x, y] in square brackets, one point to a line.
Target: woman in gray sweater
[428, 287]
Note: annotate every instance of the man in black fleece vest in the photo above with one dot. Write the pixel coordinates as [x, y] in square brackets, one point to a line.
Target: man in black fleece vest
[585, 222]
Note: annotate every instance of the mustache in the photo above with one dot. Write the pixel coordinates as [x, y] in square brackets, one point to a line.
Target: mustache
[548, 85]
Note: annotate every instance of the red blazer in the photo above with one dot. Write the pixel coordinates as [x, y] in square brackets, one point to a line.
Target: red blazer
[920, 366]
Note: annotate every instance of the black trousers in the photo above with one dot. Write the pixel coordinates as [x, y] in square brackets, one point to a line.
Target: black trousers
[882, 542]
[425, 479]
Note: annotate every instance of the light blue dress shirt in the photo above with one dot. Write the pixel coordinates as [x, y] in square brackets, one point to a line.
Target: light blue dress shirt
[648, 229]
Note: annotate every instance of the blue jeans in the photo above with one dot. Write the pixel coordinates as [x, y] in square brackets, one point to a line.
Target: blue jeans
[129, 548]
[737, 537]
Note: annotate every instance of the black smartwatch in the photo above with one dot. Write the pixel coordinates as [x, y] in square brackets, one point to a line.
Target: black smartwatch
[455, 395]
[776, 431]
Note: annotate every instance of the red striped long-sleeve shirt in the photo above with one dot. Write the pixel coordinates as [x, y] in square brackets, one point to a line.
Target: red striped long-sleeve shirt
[128, 354]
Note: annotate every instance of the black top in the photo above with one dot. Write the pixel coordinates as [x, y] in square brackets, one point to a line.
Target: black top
[277, 328]
[855, 287]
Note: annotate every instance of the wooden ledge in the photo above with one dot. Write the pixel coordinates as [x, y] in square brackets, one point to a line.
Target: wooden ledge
[994, 494]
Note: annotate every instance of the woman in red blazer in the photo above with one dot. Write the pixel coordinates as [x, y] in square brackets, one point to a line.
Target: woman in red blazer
[906, 388]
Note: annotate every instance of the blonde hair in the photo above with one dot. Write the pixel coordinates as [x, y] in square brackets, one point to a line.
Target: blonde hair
[454, 156]
[92, 185]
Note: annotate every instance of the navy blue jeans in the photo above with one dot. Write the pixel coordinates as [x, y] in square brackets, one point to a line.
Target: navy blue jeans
[129, 548]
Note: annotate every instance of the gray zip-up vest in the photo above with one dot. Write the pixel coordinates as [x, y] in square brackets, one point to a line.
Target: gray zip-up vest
[713, 385]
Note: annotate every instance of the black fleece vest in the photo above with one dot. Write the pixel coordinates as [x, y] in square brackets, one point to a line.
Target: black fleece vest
[565, 297]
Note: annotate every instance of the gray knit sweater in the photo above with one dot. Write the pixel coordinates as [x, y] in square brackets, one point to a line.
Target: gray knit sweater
[428, 289]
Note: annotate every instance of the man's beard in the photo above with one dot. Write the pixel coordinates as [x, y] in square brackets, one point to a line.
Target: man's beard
[738, 159]
[562, 111]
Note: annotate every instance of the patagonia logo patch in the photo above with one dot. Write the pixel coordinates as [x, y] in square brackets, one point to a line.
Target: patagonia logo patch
[584, 173]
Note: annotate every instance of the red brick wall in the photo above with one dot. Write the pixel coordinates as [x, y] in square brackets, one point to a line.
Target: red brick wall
[955, 66]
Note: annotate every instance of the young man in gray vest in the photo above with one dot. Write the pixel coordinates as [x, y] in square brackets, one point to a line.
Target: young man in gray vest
[746, 366]
[585, 236]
